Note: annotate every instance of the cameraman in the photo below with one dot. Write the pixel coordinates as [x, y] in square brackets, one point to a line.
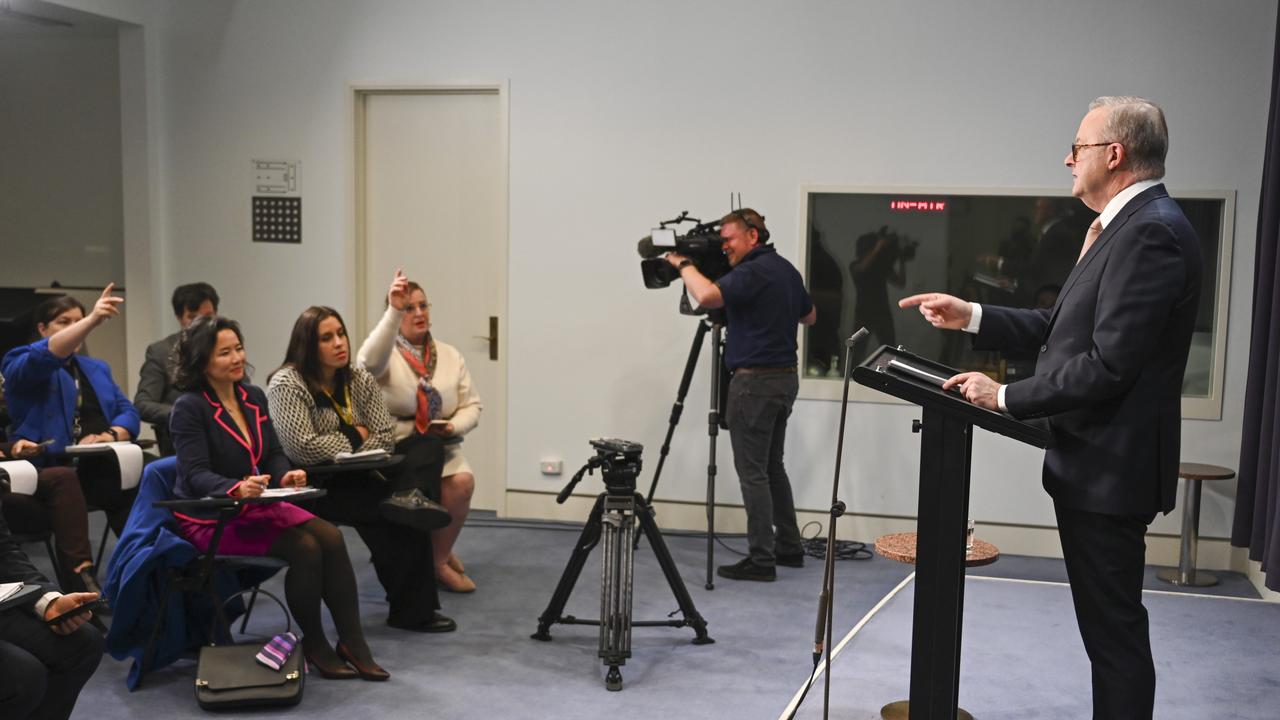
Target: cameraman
[764, 297]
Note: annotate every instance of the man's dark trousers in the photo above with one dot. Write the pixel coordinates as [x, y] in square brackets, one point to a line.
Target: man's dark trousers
[43, 672]
[1105, 555]
[758, 407]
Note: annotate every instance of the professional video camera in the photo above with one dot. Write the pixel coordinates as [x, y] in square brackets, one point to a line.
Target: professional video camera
[701, 245]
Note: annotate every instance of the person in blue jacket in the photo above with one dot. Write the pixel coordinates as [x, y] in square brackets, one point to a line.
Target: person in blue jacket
[56, 393]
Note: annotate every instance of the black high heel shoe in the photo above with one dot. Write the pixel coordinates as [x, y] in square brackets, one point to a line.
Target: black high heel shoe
[367, 672]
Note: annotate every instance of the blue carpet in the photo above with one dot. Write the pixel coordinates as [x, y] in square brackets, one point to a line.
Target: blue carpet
[1022, 656]
[491, 668]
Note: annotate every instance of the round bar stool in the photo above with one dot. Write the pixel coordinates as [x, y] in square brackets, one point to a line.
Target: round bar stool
[1186, 575]
[902, 548]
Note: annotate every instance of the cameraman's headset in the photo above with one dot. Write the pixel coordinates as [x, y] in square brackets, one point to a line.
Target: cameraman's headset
[761, 231]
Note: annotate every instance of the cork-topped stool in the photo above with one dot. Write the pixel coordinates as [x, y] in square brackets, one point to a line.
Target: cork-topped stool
[1186, 574]
[902, 548]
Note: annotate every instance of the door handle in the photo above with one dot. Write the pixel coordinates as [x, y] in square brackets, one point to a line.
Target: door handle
[492, 337]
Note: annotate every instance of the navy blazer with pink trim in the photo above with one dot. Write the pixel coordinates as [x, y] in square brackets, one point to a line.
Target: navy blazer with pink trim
[213, 457]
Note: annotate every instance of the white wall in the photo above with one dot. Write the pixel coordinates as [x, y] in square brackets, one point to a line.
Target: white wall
[623, 114]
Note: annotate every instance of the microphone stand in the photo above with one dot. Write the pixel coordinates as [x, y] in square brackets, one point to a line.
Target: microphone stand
[826, 606]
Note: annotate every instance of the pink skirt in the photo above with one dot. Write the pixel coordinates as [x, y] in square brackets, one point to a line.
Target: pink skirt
[250, 533]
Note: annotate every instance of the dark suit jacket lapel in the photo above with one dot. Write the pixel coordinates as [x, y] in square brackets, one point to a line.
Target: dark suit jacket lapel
[1119, 221]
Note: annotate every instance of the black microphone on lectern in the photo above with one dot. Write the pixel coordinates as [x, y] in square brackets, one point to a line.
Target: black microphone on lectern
[862, 332]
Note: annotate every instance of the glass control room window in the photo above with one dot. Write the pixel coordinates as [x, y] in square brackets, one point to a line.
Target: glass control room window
[865, 250]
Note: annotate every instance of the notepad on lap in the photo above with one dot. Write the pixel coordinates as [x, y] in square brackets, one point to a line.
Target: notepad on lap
[285, 492]
[8, 590]
[363, 455]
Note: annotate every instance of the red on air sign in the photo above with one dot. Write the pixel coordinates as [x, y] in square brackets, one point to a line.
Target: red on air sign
[918, 205]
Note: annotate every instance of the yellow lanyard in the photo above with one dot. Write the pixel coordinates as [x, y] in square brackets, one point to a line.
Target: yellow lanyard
[344, 410]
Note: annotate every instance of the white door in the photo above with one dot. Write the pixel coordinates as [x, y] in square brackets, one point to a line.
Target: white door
[432, 199]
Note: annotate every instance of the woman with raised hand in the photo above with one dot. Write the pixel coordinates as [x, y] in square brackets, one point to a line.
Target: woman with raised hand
[226, 445]
[429, 393]
[323, 406]
[56, 393]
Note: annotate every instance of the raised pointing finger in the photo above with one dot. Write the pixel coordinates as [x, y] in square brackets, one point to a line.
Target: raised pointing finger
[914, 300]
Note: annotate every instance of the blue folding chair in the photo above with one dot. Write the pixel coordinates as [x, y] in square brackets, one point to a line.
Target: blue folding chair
[166, 595]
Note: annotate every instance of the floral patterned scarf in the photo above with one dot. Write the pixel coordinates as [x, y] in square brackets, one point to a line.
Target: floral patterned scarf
[423, 362]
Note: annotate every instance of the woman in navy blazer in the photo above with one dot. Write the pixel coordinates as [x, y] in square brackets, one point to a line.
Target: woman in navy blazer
[226, 446]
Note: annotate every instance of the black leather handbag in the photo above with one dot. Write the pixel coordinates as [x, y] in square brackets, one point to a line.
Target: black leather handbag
[228, 676]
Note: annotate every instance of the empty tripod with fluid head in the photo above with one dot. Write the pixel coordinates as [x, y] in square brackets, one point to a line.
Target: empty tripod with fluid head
[613, 518]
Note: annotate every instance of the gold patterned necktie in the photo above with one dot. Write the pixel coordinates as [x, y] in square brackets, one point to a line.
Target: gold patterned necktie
[1095, 229]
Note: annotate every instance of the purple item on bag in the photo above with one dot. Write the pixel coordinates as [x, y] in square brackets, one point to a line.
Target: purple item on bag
[277, 651]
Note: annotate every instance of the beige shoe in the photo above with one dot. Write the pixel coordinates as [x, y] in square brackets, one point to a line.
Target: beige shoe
[455, 563]
[453, 581]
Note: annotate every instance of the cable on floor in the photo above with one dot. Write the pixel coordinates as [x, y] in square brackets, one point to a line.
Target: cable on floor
[815, 545]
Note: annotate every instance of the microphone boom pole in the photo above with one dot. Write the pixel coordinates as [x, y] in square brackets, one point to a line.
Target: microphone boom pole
[826, 605]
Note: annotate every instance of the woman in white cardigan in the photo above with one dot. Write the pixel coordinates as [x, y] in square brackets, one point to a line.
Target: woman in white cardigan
[428, 391]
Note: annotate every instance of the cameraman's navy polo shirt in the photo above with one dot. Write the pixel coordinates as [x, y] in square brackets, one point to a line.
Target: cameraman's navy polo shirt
[764, 299]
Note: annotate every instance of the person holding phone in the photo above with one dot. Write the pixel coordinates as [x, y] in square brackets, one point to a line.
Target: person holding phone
[322, 405]
[59, 395]
[44, 665]
[429, 392]
[226, 445]
[58, 504]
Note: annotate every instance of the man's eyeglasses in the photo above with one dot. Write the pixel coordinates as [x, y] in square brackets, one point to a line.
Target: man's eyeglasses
[1075, 149]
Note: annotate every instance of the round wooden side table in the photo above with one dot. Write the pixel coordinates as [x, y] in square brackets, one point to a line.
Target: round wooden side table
[1186, 575]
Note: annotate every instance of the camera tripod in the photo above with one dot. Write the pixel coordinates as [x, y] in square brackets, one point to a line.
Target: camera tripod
[613, 518]
[713, 323]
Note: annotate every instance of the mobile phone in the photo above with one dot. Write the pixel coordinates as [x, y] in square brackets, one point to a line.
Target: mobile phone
[37, 449]
[93, 604]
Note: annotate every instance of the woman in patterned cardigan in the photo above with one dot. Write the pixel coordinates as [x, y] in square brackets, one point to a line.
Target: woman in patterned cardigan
[322, 406]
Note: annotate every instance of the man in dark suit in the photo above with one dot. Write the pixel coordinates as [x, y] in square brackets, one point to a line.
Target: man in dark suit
[44, 667]
[1112, 352]
[156, 394]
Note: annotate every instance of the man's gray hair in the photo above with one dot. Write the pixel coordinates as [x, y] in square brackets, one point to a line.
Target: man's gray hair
[1137, 124]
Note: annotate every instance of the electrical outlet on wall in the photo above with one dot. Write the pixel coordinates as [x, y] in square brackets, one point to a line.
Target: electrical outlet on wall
[551, 466]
